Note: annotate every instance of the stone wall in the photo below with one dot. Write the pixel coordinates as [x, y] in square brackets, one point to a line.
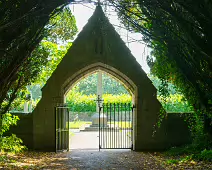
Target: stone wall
[24, 129]
[173, 132]
[176, 131]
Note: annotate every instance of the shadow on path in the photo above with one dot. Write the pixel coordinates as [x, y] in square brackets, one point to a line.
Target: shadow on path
[111, 159]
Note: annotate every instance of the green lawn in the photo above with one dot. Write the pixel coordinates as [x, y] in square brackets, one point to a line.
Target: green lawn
[123, 124]
[78, 124]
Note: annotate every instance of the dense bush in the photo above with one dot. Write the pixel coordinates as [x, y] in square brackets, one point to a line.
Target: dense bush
[9, 143]
[79, 102]
[175, 103]
[200, 149]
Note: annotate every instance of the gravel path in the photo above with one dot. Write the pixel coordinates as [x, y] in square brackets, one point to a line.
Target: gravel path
[111, 159]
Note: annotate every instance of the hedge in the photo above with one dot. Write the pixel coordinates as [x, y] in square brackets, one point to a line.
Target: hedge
[86, 103]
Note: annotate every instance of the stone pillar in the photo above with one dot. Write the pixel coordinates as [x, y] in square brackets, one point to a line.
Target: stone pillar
[26, 107]
[99, 89]
[30, 106]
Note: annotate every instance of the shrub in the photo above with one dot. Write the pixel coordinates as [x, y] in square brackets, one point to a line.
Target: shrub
[9, 143]
[205, 155]
[175, 103]
[86, 103]
[79, 102]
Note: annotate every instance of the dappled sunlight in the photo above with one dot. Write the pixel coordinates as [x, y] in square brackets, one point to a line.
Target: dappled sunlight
[33, 160]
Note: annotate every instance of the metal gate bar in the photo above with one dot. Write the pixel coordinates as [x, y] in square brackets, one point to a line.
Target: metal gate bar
[62, 128]
[115, 126]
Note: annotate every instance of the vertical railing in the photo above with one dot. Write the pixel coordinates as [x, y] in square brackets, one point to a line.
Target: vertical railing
[121, 125]
[118, 126]
[100, 146]
[61, 128]
[56, 129]
[116, 130]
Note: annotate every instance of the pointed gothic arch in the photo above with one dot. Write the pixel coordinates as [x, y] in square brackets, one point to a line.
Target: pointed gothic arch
[90, 69]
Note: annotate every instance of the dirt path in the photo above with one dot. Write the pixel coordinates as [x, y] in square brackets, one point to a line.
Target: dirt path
[80, 160]
[111, 159]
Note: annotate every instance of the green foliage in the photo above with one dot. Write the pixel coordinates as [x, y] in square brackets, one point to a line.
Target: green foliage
[32, 57]
[192, 153]
[78, 124]
[122, 98]
[9, 143]
[79, 102]
[176, 103]
[54, 53]
[7, 121]
[88, 85]
[62, 27]
[200, 149]
[178, 34]
[172, 161]
[175, 32]
[158, 84]
[205, 155]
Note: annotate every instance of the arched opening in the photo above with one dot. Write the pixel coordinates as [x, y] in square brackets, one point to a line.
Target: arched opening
[84, 131]
[84, 109]
[88, 70]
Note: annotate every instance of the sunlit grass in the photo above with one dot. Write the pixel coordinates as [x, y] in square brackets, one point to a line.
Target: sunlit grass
[80, 124]
[121, 124]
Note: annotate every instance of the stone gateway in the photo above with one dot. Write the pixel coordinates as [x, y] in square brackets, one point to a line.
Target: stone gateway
[99, 47]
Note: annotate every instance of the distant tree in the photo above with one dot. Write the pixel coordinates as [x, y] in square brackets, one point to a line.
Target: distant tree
[43, 57]
[88, 85]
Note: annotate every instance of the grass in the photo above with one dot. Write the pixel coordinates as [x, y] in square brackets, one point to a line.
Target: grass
[79, 124]
[200, 149]
[197, 155]
[121, 124]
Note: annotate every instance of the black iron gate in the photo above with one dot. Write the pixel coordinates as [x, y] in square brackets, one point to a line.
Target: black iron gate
[115, 126]
[62, 128]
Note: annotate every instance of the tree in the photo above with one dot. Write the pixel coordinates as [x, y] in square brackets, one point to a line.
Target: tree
[88, 85]
[28, 70]
[55, 54]
[178, 32]
[21, 29]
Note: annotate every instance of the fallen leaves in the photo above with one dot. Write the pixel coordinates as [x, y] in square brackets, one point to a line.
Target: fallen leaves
[76, 161]
[33, 160]
[181, 162]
